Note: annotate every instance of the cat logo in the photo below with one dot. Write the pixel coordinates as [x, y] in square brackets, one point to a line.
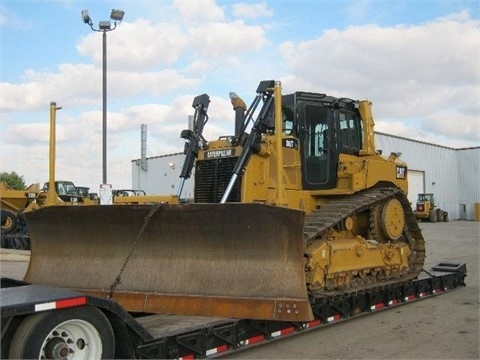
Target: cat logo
[290, 143]
[401, 172]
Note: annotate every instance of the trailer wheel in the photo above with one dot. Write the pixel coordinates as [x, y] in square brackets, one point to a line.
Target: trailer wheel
[74, 333]
[9, 221]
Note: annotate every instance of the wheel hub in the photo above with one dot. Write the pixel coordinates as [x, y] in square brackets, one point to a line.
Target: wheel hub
[57, 348]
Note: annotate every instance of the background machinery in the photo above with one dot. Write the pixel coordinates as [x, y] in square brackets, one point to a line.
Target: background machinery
[427, 210]
[13, 229]
[89, 198]
[135, 196]
[66, 192]
[15, 234]
[295, 207]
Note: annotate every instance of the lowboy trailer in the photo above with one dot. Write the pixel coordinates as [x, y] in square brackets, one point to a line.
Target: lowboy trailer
[55, 323]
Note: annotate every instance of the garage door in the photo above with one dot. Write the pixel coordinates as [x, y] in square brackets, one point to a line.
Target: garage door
[416, 181]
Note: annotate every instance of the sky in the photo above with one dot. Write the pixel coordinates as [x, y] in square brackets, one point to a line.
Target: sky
[418, 61]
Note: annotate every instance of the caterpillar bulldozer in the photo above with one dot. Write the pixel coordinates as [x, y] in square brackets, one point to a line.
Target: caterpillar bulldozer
[293, 208]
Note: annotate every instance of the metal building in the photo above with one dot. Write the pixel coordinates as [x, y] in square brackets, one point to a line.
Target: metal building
[451, 174]
[161, 175]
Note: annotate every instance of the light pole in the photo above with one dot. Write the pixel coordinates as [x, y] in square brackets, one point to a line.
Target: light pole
[104, 27]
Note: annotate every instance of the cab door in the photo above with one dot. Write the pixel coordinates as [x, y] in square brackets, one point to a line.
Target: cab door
[318, 146]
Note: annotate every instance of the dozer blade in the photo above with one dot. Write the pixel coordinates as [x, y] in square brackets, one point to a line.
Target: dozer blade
[229, 260]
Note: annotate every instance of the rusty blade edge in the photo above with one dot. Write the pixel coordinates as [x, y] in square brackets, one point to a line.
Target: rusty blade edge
[280, 309]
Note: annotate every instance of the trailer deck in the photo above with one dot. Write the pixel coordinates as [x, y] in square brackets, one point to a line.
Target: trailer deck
[188, 337]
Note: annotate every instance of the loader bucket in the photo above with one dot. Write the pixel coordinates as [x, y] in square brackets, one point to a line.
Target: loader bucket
[228, 260]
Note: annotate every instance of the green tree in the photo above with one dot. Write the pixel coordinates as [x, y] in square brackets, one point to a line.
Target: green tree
[13, 180]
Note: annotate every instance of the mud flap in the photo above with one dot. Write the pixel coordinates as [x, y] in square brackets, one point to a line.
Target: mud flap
[229, 260]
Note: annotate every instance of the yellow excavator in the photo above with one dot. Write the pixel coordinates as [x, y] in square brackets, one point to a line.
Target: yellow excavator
[295, 207]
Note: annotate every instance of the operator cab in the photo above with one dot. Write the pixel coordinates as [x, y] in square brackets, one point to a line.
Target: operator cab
[426, 197]
[325, 126]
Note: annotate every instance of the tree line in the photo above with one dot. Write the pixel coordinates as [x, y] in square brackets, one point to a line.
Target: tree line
[13, 180]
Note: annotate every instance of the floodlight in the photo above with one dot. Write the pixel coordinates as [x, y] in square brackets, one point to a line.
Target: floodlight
[86, 18]
[104, 25]
[117, 15]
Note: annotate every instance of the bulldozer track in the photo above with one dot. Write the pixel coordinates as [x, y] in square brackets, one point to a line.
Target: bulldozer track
[336, 210]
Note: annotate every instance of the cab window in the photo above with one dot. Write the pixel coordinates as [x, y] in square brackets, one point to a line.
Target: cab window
[349, 136]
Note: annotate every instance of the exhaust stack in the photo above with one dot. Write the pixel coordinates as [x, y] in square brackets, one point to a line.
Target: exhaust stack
[143, 150]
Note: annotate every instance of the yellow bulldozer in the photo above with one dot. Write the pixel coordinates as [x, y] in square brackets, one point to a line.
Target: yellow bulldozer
[296, 206]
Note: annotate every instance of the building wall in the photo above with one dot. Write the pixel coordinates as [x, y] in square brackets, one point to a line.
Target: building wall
[439, 165]
[469, 180]
[451, 174]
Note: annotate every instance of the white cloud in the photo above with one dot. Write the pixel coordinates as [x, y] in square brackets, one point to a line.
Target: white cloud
[215, 40]
[76, 85]
[252, 11]
[142, 59]
[194, 12]
[138, 45]
[143, 46]
[422, 71]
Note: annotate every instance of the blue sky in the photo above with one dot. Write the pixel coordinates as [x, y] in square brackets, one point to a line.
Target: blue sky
[417, 61]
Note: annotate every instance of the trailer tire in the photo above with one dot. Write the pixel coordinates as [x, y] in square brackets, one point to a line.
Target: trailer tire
[79, 333]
